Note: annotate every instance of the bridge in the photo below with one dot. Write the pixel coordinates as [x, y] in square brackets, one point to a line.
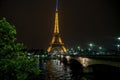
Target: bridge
[88, 61]
[93, 65]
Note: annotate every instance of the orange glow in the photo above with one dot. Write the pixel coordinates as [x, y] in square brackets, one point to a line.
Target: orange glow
[84, 61]
[49, 49]
[68, 58]
[56, 39]
[56, 28]
[64, 49]
[53, 40]
[60, 40]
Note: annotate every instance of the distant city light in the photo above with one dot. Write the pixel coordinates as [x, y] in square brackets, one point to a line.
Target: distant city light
[118, 45]
[100, 47]
[72, 49]
[90, 44]
[78, 47]
[118, 38]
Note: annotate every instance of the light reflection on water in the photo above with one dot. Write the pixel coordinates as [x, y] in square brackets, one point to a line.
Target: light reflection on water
[57, 70]
[88, 61]
[84, 61]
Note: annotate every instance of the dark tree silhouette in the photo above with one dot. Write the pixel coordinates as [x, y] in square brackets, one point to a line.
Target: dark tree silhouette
[14, 63]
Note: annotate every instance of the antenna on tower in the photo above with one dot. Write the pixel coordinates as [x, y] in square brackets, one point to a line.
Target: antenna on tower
[56, 5]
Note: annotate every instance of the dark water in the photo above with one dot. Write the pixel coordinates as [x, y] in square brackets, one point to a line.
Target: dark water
[55, 70]
[58, 70]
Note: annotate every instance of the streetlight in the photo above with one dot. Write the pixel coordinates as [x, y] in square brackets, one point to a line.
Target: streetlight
[100, 50]
[78, 47]
[118, 38]
[91, 46]
[118, 45]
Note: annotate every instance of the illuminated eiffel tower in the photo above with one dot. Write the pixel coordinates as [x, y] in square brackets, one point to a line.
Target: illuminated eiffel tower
[56, 43]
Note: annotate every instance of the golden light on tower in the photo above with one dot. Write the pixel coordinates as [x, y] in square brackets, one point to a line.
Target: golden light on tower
[56, 42]
[56, 29]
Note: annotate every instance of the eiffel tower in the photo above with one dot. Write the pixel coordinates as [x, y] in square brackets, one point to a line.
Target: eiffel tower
[56, 43]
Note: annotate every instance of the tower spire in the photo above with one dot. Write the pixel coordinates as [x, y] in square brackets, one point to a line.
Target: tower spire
[56, 28]
[56, 5]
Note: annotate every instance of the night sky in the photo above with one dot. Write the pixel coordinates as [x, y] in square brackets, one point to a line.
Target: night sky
[81, 21]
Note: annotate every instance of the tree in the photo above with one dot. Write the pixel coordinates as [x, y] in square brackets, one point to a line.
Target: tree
[14, 63]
